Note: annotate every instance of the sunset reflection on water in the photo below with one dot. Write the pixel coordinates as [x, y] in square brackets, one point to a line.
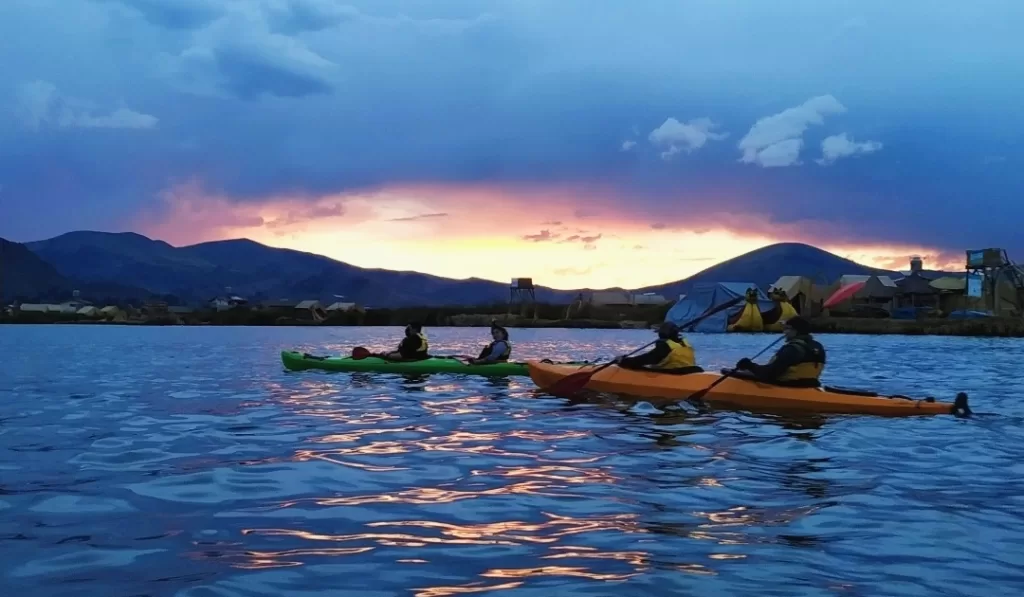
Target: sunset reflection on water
[496, 465]
[204, 470]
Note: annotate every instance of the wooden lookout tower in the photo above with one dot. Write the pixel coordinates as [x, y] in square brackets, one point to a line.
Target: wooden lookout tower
[522, 297]
[995, 279]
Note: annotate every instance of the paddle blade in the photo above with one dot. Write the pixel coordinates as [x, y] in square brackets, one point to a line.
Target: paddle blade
[359, 353]
[570, 385]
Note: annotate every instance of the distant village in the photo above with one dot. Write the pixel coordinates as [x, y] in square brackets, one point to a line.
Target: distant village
[985, 291]
[280, 311]
[991, 286]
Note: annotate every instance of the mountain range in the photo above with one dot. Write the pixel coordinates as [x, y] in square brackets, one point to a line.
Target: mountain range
[130, 266]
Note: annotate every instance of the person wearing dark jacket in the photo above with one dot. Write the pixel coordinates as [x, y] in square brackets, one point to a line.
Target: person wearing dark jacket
[497, 351]
[413, 347]
[799, 363]
[671, 354]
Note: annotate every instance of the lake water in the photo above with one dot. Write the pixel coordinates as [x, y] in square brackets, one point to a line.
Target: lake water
[186, 462]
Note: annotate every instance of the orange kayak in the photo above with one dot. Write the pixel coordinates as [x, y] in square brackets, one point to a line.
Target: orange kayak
[666, 388]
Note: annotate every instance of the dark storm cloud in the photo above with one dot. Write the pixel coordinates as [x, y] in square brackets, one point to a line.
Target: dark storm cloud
[680, 111]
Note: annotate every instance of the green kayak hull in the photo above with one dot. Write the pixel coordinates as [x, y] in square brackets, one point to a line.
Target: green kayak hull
[297, 361]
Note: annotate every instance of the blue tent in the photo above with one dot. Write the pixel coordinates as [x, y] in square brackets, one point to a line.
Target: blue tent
[706, 296]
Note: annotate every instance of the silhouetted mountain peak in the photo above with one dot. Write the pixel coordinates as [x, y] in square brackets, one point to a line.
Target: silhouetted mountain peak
[765, 265]
[121, 240]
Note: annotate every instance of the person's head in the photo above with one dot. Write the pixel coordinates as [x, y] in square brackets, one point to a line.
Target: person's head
[413, 328]
[796, 326]
[668, 330]
[498, 332]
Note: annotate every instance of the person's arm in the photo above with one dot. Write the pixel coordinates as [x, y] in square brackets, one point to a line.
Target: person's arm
[788, 356]
[651, 357]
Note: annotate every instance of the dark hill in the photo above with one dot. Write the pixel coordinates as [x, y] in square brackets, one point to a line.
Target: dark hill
[23, 273]
[198, 272]
[766, 265]
[126, 257]
[24, 276]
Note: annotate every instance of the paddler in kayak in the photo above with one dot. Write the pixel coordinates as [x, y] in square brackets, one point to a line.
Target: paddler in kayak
[413, 347]
[798, 363]
[671, 354]
[498, 351]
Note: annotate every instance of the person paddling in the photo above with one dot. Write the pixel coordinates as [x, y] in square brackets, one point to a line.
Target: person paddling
[498, 351]
[671, 354]
[413, 347]
[798, 363]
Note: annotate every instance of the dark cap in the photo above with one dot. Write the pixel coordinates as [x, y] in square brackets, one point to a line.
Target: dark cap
[495, 326]
[415, 326]
[799, 324]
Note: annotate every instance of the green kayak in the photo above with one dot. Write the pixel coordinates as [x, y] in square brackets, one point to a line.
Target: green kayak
[297, 361]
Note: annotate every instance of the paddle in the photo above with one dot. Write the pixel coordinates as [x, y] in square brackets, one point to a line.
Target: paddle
[360, 352]
[573, 383]
[699, 394]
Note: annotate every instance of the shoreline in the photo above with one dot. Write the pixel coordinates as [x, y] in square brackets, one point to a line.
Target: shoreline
[988, 327]
[984, 327]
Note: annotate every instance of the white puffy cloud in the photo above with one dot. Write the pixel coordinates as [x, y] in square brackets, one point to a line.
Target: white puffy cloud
[674, 136]
[781, 154]
[841, 146]
[628, 144]
[776, 140]
[40, 104]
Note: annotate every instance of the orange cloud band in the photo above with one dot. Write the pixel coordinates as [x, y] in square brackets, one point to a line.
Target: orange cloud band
[563, 236]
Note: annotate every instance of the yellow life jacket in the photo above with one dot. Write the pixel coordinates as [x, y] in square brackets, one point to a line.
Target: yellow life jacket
[423, 343]
[812, 365]
[503, 356]
[681, 355]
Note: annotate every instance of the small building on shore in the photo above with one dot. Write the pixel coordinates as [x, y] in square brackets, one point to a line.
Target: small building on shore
[803, 294]
[225, 303]
[38, 308]
[624, 298]
[339, 307]
[916, 291]
[874, 293]
[310, 310]
[74, 305]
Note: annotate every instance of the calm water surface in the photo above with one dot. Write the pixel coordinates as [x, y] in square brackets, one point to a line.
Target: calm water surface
[187, 462]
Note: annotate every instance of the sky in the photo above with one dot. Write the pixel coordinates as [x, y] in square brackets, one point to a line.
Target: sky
[580, 142]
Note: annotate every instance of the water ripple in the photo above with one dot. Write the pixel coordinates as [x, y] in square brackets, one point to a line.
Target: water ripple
[186, 462]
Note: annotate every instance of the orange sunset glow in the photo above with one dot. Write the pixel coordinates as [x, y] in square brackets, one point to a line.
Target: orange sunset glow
[562, 238]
